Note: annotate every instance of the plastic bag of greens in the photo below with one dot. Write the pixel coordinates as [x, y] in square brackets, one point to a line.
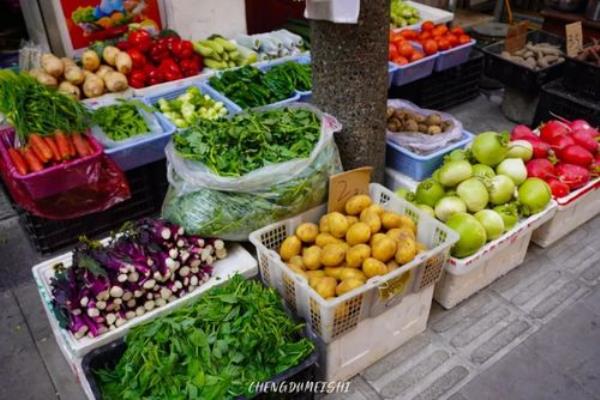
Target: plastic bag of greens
[419, 142]
[231, 207]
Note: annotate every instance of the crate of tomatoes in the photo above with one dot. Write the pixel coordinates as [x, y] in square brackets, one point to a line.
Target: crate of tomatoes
[409, 58]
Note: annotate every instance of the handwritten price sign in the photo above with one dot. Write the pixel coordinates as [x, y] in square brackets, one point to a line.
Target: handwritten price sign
[574, 35]
[347, 184]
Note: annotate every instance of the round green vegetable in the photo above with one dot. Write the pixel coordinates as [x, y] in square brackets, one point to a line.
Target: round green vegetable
[514, 168]
[454, 172]
[483, 171]
[509, 213]
[449, 205]
[429, 192]
[472, 234]
[492, 222]
[501, 189]
[427, 209]
[520, 149]
[534, 196]
[473, 193]
[490, 148]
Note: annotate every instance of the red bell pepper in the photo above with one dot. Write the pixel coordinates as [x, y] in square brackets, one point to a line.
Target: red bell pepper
[190, 66]
[137, 79]
[159, 51]
[140, 39]
[138, 60]
[170, 70]
[123, 45]
[154, 75]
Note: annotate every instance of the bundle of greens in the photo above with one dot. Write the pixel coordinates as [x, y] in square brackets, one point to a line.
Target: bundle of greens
[122, 120]
[290, 74]
[186, 109]
[31, 107]
[249, 141]
[247, 87]
[235, 334]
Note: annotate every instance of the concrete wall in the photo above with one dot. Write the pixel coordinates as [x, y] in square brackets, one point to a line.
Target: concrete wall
[200, 18]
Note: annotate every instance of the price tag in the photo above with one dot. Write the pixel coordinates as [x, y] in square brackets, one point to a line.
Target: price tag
[347, 184]
[574, 35]
[516, 37]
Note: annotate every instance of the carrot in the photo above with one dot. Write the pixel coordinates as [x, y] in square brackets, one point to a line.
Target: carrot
[33, 162]
[37, 153]
[72, 151]
[18, 161]
[52, 144]
[80, 144]
[63, 145]
[40, 147]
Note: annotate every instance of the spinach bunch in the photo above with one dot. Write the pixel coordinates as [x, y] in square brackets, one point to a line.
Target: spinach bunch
[235, 334]
[250, 141]
[122, 120]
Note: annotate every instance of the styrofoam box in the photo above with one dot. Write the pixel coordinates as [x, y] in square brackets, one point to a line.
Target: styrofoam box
[428, 13]
[573, 210]
[374, 338]
[238, 260]
[463, 277]
[395, 180]
[333, 318]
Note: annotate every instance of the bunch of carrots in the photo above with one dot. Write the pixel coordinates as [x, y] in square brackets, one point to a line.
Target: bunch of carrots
[44, 151]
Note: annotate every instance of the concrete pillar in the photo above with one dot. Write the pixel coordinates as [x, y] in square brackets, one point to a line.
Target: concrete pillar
[350, 81]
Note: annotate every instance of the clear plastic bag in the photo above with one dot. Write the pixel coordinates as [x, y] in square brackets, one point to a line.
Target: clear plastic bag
[422, 143]
[232, 207]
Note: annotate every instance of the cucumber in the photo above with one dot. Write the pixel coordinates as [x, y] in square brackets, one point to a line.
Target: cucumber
[204, 50]
[213, 45]
[227, 45]
[212, 64]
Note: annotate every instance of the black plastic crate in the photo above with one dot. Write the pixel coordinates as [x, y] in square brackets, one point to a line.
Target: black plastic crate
[148, 188]
[444, 89]
[518, 76]
[582, 77]
[556, 100]
[108, 355]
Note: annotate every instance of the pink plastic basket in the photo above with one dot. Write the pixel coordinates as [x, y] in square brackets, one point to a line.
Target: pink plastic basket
[58, 178]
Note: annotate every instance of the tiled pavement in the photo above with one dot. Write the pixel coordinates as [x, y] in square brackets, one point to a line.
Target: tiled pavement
[533, 334]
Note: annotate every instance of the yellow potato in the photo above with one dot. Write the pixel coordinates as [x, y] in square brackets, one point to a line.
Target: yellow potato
[333, 255]
[392, 265]
[338, 224]
[373, 221]
[323, 224]
[297, 261]
[357, 203]
[316, 274]
[406, 252]
[323, 239]
[401, 233]
[372, 209]
[298, 270]
[373, 267]
[311, 258]
[358, 233]
[348, 273]
[290, 247]
[314, 280]
[376, 238]
[389, 220]
[347, 285]
[384, 249]
[307, 232]
[420, 247]
[356, 255]
[326, 287]
[407, 222]
[351, 219]
[333, 272]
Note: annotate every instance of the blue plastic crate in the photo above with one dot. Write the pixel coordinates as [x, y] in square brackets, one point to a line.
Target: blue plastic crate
[392, 68]
[454, 56]
[416, 166]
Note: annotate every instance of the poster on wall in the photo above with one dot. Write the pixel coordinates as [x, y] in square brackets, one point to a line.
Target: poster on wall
[86, 21]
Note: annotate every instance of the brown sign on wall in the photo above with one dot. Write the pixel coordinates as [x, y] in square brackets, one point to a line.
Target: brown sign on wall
[268, 15]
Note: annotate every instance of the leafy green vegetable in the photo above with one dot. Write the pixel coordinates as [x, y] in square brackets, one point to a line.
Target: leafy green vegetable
[290, 74]
[250, 141]
[233, 335]
[122, 120]
[30, 107]
[191, 106]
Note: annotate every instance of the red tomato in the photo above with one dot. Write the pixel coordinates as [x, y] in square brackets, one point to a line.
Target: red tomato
[400, 60]
[452, 39]
[409, 34]
[443, 44]
[417, 55]
[395, 36]
[427, 26]
[464, 39]
[393, 51]
[423, 36]
[440, 30]
[430, 47]
[406, 50]
[457, 30]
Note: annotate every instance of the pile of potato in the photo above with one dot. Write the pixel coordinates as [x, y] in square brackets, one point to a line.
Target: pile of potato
[345, 250]
[405, 120]
[536, 56]
[91, 79]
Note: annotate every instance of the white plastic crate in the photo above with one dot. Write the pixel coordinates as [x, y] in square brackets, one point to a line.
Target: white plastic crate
[374, 338]
[573, 210]
[463, 277]
[238, 260]
[395, 180]
[330, 319]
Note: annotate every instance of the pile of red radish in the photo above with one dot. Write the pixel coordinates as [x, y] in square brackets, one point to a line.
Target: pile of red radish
[565, 154]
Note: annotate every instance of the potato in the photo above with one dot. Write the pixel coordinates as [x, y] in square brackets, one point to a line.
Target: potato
[93, 86]
[314, 280]
[297, 261]
[333, 272]
[358, 233]
[392, 265]
[351, 219]
[407, 222]
[326, 287]
[316, 274]
[115, 81]
[323, 239]
[109, 54]
[338, 225]
[324, 224]
[290, 247]
[307, 232]
[373, 221]
[420, 247]
[406, 252]
[357, 203]
[52, 65]
[311, 258]
[347, 285]
[123, 62]
[68, 62]
[356, 255]
[390, 220]
[373, 208]
[69, 89]
[384, 249]
[373, 267]
[333, 255]
[298, 270]
[348, 273]
[104, 70]
[74, 74]
[401, 233]
[44, 78]
[90, 60]
[376, 238]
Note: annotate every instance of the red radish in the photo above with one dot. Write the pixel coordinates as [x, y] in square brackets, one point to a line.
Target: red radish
[577, 155]
[573, 175]
[552, 129]
[559, 189]
[560, 142]
[521, 132]
[540, 149]
[585, 138]
[540, 168]
[579, 124]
